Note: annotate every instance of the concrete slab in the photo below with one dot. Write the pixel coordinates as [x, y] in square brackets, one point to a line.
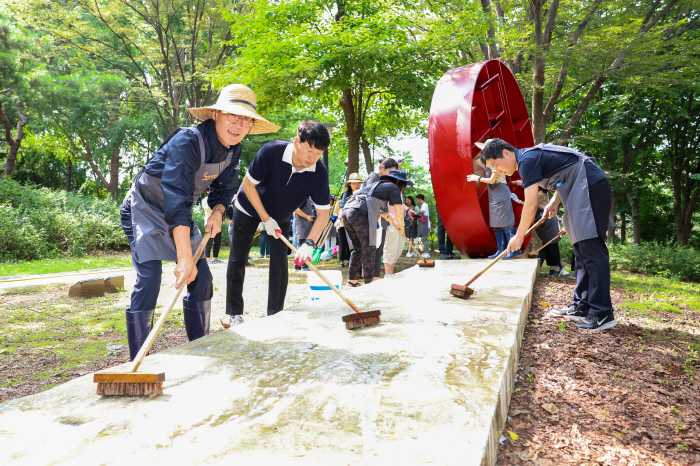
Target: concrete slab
[430, 384]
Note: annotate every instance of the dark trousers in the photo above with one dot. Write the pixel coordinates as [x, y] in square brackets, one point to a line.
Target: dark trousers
[343, 246]
[148, 273]
[216, 242]
[264, 243]
[592, 290]
[362, 256]
[244, 231]
[378, 253]
[444, 241]
[551, 255]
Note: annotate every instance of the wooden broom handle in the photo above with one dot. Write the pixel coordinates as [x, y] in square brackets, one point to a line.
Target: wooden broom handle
[561, 233]
[504, 253]
[165, 314]
[323, 277]
[404, 237]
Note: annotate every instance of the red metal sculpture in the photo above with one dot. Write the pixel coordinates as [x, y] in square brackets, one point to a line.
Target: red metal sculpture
[472, 104]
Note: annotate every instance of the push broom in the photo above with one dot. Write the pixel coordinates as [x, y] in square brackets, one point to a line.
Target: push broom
[352, 321]
[421, 262]
[134, 383]
[463, 291]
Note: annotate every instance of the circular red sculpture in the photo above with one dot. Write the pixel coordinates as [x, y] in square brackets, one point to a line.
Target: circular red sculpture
[472, 104]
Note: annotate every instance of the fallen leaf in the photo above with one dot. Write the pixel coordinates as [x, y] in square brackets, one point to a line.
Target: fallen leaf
[516, 412]
[535, 321]
[545, 304]
[3, 351]
[513, 435]
[550, 408]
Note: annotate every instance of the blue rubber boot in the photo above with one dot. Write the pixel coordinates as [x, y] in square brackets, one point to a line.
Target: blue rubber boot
[509, 234]
[196, 316]
[500, 241]
[138, 326]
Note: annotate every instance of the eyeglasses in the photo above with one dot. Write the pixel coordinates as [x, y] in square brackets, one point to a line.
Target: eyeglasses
[244, 122]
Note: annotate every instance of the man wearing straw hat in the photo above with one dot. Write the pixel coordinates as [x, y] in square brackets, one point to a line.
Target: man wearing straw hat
[281, 178]
[156, 213]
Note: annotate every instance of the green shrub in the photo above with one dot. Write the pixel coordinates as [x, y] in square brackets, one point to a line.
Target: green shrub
[667, 260]
[37, 223]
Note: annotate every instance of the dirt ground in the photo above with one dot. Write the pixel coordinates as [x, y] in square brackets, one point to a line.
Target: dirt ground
[626, 396]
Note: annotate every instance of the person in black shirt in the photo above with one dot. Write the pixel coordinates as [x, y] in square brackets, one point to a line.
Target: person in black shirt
[585, 192]
[361, 216]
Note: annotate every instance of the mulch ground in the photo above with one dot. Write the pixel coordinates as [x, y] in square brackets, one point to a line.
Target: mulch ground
[625, 396]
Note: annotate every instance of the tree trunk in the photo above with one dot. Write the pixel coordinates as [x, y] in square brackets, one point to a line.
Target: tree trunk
[17, 141]
[634, 206]
[113, 187]
[538, 123]
[613, 206]
[352, 131]
[369, 163]
[69, 174]
[623, 228]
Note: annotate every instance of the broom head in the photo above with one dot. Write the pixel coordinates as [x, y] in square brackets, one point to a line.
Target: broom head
[461, 291]
[425, 263]
[531, 255]
[129, 383]
[361, 319]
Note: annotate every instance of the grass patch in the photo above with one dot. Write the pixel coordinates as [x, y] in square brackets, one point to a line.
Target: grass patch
[44, 266]
[657, 298]
[68, 332]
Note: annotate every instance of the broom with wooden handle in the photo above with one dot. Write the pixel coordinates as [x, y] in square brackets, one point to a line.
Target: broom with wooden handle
[421, 262]
[134, 383]
[357, 320]
[463, 291]
[532, 255]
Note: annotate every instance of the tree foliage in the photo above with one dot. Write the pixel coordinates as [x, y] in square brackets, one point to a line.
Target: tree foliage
[371, 60]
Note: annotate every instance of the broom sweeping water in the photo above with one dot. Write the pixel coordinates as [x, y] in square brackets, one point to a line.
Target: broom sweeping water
[463, 291]
[134, 383]
[357, 320]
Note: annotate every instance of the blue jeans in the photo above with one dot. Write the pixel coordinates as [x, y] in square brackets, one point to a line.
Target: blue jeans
[264, 244]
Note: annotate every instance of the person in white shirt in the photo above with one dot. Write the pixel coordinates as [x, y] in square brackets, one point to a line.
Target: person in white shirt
[424, 224]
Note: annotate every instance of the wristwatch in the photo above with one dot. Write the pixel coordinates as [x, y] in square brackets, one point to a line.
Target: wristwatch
[310, 242]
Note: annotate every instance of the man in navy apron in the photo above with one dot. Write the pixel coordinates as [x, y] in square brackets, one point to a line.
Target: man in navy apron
[156, 213]
[585, 192]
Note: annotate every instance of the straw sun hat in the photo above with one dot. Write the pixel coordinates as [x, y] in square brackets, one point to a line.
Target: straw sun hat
[239, 100]
[354, 178]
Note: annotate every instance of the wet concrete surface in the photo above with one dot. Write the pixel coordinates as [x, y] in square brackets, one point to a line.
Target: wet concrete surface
[430, 384]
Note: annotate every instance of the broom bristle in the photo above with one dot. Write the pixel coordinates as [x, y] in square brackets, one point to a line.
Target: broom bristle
[365, 322]
[129, 389]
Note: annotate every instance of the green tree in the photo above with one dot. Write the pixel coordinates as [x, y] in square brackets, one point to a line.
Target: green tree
[566, 51]
[164, 49]
[360, 57]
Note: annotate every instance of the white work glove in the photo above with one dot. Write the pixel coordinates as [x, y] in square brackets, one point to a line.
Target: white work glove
[303, 254]
[473, 178]
[272, 228]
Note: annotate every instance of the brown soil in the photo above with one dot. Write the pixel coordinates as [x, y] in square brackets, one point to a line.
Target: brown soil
[621, 396]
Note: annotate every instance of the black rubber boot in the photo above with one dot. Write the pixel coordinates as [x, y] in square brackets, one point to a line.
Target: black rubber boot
[196, 316]
[138, 326]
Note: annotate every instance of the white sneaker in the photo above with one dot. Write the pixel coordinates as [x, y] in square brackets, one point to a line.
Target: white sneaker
[426, 255]
[230, 321]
